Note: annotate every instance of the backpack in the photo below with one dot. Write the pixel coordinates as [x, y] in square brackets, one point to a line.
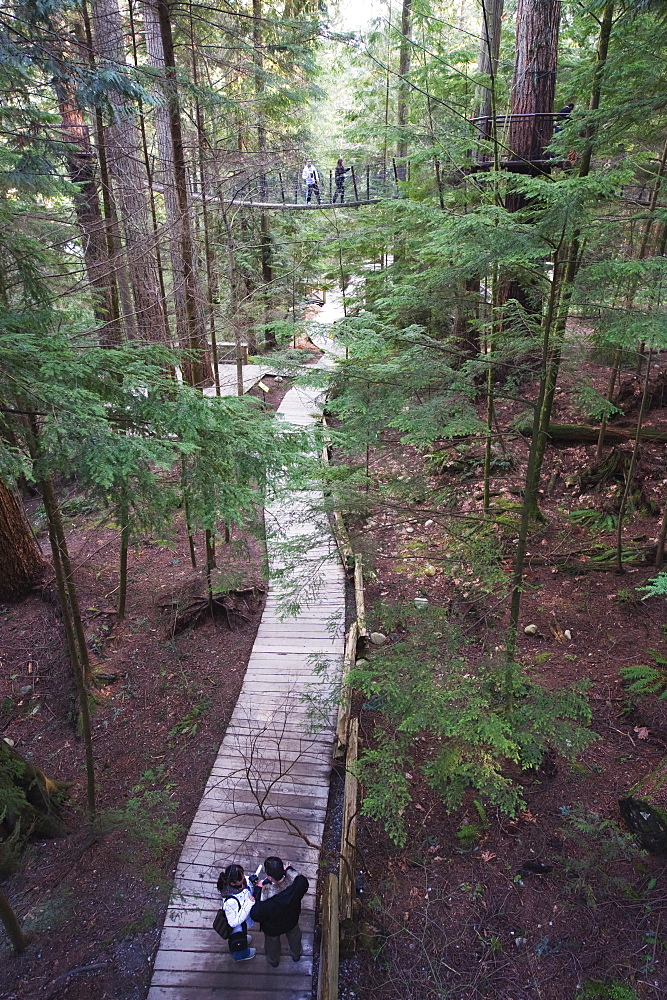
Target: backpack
[221, 924]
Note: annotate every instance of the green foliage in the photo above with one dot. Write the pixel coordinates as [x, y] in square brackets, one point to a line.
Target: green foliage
[478, 720]
[594, 990]
[12, 796]
[187, 726]
[146, 817]
[656, 586]
[594, 847]
[597, 521]
[386, 784]
[644, 679]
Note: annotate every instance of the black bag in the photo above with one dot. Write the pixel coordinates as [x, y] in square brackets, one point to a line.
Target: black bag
[238, 940]
[221, 925]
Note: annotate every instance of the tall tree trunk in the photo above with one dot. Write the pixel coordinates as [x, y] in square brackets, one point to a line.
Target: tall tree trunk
[81, 167]
[211, 277]
[164, 173]
[124, 162]
[117, 257]
[197, 363]
[404, 60]
[265, 232]
[532, 101]
[596, 90]
[148, 166]
[21, 562]
[487, 64]
[534, 84]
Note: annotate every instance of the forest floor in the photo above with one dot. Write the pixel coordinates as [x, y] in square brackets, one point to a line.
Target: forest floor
[94, 904]
[555, 903]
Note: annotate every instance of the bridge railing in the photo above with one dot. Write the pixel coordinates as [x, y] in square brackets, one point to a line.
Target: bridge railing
[285, 186]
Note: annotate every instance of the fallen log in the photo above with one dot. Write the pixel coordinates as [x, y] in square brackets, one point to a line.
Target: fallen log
[587, 434]
[644, 809]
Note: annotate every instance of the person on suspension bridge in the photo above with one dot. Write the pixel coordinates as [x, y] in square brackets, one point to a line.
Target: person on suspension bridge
[339, 177]
[312, 181]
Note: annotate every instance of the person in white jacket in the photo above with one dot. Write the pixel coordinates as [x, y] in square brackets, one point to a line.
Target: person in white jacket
[312, 181]
[239, 901]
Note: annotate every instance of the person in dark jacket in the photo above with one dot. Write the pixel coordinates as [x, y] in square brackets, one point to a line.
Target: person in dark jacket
[563, 116]
[339, 177]
[279, 909]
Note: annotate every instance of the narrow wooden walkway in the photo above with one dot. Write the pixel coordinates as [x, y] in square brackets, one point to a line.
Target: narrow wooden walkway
[267, 793]
[252, 374]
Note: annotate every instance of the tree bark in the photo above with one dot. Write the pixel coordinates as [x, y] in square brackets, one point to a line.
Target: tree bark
[197, 364]
[586, 434]
[265, 231]
[534, 84]
[12, 926]
[114, 246]
[21, 562]
[165, 175]
[32, 796]
[487, 64]
[404, 60]
[532, 101]
[81, 167]
[124, 162]
[596, 90]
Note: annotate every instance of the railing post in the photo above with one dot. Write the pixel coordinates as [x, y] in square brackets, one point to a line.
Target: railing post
[327, 984]
[354, 181]
[282, 189]
[330, 188]
[368, 182]
[348, 846]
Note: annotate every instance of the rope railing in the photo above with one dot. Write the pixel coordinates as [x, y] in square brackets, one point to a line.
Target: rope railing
[282, 186]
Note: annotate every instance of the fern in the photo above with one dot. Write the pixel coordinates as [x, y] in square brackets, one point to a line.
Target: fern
[656, 586]
[599, 521]
[644, 679]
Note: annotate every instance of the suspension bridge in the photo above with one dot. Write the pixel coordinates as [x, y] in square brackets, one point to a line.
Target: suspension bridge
[282, 188]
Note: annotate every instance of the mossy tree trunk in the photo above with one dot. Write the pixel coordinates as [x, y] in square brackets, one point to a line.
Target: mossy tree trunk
[12, 925]
[21, 562]
[30, 799]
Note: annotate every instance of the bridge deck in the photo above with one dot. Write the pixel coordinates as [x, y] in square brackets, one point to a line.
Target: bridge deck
[267, 793]
[290, 206]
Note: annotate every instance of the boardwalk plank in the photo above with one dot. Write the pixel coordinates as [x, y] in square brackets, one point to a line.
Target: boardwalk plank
[270, 754]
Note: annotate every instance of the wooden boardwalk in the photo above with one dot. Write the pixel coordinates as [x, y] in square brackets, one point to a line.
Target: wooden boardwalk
[267, 793]
[252, 374]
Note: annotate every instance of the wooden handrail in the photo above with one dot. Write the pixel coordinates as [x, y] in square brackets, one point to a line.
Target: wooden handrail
[348, 847]
[345, 696]
[327, 983]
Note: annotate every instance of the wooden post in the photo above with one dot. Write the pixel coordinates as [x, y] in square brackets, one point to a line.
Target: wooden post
[340, 531]
[368, 182]
[348, 845]
[330, 187]
[343, 541]
[359, 593]
[282, 189]
[327, 984]
[344, 708]
[354, 181]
